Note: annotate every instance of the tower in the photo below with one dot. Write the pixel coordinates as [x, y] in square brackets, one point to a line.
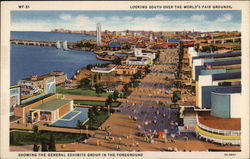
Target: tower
[98, 34]
[151, 37]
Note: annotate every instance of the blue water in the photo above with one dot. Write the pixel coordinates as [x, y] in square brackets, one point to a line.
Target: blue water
[83, 116]
[70, 115]
[48, 36]
[27, 60]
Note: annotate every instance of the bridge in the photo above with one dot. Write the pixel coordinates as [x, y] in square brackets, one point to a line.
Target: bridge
[39, 43]
[220, 40]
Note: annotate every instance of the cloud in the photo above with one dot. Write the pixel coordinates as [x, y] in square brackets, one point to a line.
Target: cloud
[128, 18]
[99, 19]
[65, 16]
[159, 17]
[114, 18]
[82, 18]
[158, 22]
[198, 17]
[224, 18]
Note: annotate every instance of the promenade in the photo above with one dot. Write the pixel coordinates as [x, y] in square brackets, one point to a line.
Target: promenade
[47, 128]
[124, 128]
[142, 116]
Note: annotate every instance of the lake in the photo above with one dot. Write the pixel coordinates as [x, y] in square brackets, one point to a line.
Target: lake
[27, 60]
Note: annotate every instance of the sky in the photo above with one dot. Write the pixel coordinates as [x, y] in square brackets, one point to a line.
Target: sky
[210, 20]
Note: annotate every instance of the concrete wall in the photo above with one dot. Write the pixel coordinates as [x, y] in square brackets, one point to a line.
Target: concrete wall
[220, 105]
[128, 71]
[236, 105]
[191, 53]
[204, 80]
[196, 62]
[64, 109]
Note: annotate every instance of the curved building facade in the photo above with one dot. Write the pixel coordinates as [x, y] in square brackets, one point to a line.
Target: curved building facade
[218, 130]
[220, 105]
[225, 102]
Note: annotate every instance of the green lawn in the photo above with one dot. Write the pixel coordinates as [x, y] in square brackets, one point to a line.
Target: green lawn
[97, 121]
[233, 43]
[28, 138]
[80, 91]
[95, 103]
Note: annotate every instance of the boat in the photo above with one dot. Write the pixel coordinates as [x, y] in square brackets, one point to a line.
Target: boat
[58, 45]
[65, 45]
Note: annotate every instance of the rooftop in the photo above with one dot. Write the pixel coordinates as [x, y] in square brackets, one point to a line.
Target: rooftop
[219, 123]
[227, 90]
[224, 62]
[102, 69]
[37, 78]
[52, 104]
[127, 66]
[173, 40]
[233, 54]
[225, 76]
[41, 77]
[114, 44]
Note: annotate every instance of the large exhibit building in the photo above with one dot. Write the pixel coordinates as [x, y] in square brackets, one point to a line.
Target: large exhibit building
[216, 116]
[49, 108]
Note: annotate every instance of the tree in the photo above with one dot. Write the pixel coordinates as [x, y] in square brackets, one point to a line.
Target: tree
[79, 124]
[95, 111]
[213, 48]
[147, 69]
[115, 95]
[136, 83]
[89, 66]
[176, 96]
[52, 144]
[84, 82]
[109, 100]
[91, 114]
[13, 139]
[98, 88]
[117, 61]
[196, 47]
[44, 146]
[36, 148]
[125, 87]
[35, 128]
[178, 84]
[137, 75]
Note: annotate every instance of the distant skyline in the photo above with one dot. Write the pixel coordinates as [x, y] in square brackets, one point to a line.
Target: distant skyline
[203, 20]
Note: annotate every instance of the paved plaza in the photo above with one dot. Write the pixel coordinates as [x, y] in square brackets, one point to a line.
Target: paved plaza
[144, 118]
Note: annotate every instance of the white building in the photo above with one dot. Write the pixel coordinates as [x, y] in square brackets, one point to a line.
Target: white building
[138, 53]
[192, 53]
[98, 34]
[141, 61]
[15, 98]
[103, 69]
[213, 80]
